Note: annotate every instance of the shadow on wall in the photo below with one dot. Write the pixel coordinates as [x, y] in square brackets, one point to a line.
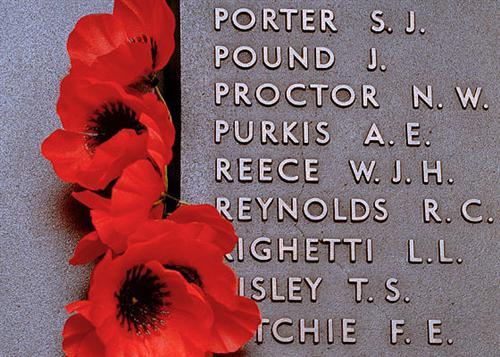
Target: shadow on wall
[73, 214]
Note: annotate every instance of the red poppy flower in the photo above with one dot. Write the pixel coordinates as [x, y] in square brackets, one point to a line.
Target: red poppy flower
[105, 129]
[196, 250]
[137, 307]
[163, 279]
[132, 202]
[130, 46]
[136, 198]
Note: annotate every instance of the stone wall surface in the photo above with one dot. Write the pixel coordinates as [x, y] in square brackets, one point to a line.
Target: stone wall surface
[40, 223]
[459, 48]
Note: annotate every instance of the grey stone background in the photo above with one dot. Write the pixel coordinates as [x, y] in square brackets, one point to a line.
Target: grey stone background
[39, 223]
[459, 48]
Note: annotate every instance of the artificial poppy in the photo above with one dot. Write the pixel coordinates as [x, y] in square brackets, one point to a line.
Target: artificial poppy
[197, 250]
[162, 278]
[137, 307]
[129, 46]
[105, 129]
[137, 199]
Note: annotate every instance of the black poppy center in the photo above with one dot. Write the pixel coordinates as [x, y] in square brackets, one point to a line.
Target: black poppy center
[190, 274]
[109, 120]
[141, 301]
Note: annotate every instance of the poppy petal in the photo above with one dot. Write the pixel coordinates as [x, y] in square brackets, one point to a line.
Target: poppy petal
[80, 338]
[218, 280]
[67, 153]
[161, 137]
[189, 311]
[92, 200]
[111, 158]
[133, 197]
[169, 343]
[152, 18]
[127, 64]
[234, 327]
[173, 245]
[226, 237]
[80, 306]
[93, 36]
[105, 227]
[134, 194]
[89, 248]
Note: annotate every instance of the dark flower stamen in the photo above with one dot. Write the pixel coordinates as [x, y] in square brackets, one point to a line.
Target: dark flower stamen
[143, 39]
[149, 80]
[108, 121]
[141, 301]
[154, 51]
[190, 274]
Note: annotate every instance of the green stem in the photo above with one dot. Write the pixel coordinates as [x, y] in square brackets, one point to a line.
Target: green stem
[160, 96]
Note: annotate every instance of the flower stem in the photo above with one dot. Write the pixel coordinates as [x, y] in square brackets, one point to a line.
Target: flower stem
[166, 212]
[160, 96]
[165, 194]
[176, 199]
